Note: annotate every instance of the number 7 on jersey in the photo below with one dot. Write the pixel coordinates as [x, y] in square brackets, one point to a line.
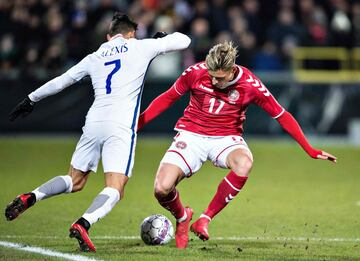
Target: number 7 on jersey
[108, 79]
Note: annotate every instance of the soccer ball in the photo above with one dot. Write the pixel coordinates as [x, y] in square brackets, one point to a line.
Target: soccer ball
[156, 230]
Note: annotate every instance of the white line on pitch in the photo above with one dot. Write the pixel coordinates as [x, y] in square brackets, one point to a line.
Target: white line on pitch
[45, 252]
[232, 238]
[319, 239]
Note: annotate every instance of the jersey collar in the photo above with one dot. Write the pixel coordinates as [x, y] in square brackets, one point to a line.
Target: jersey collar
[238, 76]
[116, 36]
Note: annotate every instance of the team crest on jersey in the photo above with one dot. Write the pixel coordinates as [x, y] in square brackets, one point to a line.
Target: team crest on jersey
[180, 145]
[233, 95]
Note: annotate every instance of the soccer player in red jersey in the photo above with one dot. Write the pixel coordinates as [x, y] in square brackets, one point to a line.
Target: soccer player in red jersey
[211, 129]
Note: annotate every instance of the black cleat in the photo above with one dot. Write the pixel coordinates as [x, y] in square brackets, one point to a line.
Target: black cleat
[19, 205]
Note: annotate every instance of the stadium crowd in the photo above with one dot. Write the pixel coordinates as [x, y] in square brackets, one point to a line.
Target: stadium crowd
[44, 37]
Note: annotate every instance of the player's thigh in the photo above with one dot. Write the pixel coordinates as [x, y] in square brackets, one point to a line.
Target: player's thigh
[87, 153]
[167, 177]
[187, 151]
[223, 147]
[118, 150]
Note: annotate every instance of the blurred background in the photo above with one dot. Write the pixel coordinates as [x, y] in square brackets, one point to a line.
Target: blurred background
[307, 53]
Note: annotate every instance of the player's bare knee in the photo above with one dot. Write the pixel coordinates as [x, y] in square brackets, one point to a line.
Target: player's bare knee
[161, 190]
[241, 165]
[167, 177]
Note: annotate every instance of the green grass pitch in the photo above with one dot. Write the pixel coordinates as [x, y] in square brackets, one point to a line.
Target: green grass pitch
[292, 207]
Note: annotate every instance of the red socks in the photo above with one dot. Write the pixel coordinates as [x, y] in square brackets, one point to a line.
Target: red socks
[173, 203]
[227, 190]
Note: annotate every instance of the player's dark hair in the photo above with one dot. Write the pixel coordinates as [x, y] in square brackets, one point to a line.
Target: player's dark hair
[121, 24]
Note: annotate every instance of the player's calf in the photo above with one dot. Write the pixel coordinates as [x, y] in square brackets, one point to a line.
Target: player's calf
[19, 205]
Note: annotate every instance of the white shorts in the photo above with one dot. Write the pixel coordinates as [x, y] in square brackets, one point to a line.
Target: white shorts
[189, 151]
[114, 143]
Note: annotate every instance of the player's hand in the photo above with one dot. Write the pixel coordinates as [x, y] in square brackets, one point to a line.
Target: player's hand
[326, 156]
[24, 108]
[159, 35]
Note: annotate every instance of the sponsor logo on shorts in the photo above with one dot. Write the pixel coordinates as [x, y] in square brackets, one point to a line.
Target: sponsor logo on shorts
[180, 145]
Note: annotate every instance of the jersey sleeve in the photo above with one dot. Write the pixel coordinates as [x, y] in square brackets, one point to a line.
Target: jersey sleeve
[172, 42]
[158, 106]
[165, 100]
[74, 74]
[183, 83]
[291, 126]
[263, 97]
[80, 70]
[52, 87]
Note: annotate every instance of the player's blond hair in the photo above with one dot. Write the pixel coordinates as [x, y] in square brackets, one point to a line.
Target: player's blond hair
[221, 57]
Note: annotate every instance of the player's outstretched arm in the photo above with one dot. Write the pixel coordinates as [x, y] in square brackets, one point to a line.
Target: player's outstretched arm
[158, 106]
[26, 106]
[290, 125]
[172, 42]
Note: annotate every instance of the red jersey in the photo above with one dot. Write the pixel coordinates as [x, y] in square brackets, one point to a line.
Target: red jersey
[221, 112]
